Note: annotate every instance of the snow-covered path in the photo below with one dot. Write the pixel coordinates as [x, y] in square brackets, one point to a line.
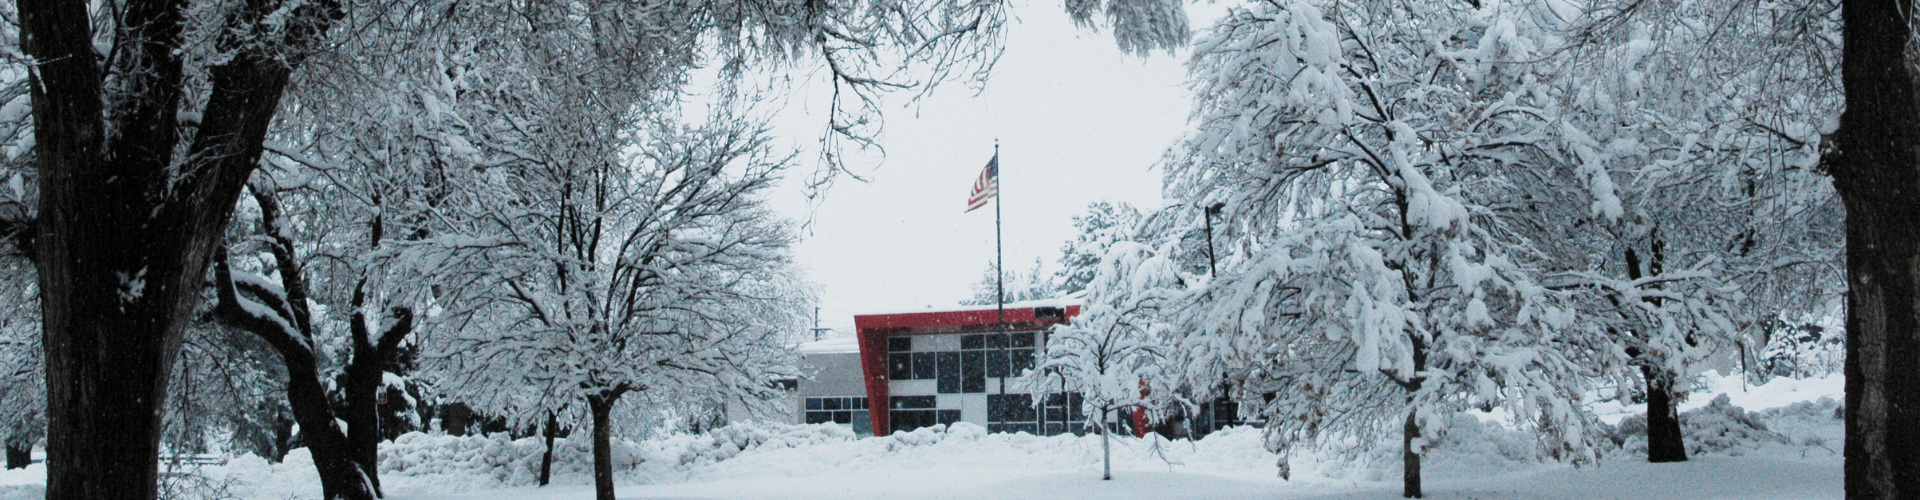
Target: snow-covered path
[1702, 478]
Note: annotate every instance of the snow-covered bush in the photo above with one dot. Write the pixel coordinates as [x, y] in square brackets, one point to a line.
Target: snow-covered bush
[517, 461]
[1717, 428]
[936, 434]
[1802, 350]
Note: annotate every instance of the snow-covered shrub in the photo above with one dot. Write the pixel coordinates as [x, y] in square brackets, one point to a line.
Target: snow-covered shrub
[493, 456]
[935, 434]
[509, 461]
[1803, 350]
[727, 442]
[1717, 428]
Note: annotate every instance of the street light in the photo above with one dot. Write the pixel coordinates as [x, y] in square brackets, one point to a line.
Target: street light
[1212, 211]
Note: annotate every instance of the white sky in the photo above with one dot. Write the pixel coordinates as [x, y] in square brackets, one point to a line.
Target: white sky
[1077, 122]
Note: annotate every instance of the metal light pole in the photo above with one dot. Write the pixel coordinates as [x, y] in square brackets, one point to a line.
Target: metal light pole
[1211, 211]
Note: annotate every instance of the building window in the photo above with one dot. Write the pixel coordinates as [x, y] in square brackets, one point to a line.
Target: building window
[949, 372]
[900, 366]
[911, 402]
[1060, 414]
[973, 372]
[923, 366]
[981, 357]
[849, 410]
[899, 344]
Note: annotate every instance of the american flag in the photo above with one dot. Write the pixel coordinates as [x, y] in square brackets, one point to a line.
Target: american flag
[987, 186]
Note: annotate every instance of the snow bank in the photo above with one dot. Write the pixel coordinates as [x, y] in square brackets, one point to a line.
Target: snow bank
[1721, 428]
[517, 462]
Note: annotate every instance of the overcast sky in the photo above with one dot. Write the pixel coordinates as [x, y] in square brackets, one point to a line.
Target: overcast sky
[1077, 121]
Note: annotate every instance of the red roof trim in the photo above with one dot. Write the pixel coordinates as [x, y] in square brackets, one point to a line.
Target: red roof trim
[953, 318]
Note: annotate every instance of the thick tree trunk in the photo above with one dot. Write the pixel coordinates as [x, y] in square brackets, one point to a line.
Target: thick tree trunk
[363, 417]
[1876, 171]
[602, 407]
[19, 456]
[340, 474]
[1664, 443]
[546, 459]
[1410, 459]
[364, 376]
[125, 233]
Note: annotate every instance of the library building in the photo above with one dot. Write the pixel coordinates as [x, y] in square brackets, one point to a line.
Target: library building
[904, 371]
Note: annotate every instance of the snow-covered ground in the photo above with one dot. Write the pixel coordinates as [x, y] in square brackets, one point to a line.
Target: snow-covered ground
[1795, 456]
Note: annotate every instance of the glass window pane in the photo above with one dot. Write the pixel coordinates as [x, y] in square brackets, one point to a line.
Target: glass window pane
[948, 416]
[923, 366]
[913, 402]
[900, 344]
[1019, 360]
[997, 341]
[830, 404]
[1056, 414]
[1019, 408]
[899, 366]
[1022, 339]
[819, 417]
[843, 417]
[813, 403]
[949, 379]
[973, 342]
[1053, 429]
[996, 363]
[862, 423]
[973, 371]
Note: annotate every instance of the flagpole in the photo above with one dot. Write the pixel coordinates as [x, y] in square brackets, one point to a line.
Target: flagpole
[999, 256]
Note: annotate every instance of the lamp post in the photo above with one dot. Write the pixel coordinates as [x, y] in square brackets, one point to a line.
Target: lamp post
[1211, 210]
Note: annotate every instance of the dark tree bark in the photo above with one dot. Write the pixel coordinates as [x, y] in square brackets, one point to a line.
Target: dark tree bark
[546, 459]
[124, 233]
[341, 476]
[455, 418]
[282, 437]
[364, 374]
[1409, 459]
[602, 407]
[1664, 443]
[1876, 171]
[290, 331]
[19, 456]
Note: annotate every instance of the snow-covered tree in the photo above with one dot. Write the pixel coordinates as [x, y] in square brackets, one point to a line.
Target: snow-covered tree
[281, 312]
[1016, 287]
[1114, 352]
[1104, 224]
[651, 269]
[1371, 282]
[23, 390]
[1698, 211]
